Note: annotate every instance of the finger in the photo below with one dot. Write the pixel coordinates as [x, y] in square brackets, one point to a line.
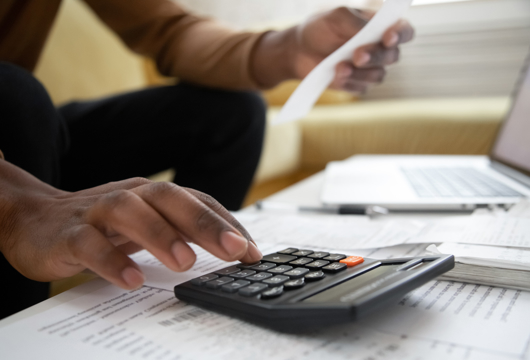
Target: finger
[125, 213]
[90, 248]
[374, 55]
[253, 254]
[399, 33]
[117, 185]
[346, 22]
[354, 87]
[346, 73]
[194, 220]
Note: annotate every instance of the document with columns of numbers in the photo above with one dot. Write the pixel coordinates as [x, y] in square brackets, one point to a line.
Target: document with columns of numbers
[440, 320]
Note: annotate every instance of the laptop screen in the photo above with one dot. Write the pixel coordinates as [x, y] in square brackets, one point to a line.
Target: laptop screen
[513, 142]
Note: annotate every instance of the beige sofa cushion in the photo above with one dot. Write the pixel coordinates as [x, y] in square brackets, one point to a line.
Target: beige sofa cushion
[435, 126]
[83, 59]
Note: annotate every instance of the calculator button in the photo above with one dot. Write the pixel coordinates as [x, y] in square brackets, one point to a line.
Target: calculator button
[234, 286]
[263, 267]
[315, 275]
[202, 279]
[288, 251]
[272, 292]
[317, 264]
[278, 258]
[253, 289]
[248, 266]
[217, 283]
[294, 284]
[335, 257]
[276, 280]
[301, 261]
[335, 267]
[228, 270]
[352, 260]
[280, 269]
[296, 273]
[303, 252]
[318, 255]
[259, 276]
[243, 274]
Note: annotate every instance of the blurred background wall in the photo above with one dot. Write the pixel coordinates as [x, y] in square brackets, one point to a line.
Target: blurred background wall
[462, 48]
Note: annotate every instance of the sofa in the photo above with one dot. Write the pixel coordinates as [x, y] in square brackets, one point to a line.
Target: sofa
[83, 60]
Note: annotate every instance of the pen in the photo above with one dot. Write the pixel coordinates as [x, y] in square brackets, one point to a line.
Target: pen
[340, 210]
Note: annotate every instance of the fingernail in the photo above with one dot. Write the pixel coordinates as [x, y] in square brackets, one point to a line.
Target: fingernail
[253, 251]
[394, 38]
[363, 59]
[232, 243]
[184, 256]
[133, 277]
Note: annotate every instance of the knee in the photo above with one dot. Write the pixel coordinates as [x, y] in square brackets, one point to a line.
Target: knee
[17, 81]
[249, 113]
[26, 105]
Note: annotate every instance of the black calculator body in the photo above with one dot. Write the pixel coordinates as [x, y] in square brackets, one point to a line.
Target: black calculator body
[301, 290]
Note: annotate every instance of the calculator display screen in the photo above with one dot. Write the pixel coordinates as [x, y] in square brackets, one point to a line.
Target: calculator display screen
[335, 293]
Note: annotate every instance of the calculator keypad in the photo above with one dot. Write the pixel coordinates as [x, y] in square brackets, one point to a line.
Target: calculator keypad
[217, 283]
[263, 267]
[243, 274]
[278, 258]
[276, 280]
[288, 269]
[294, 284]
[317, 264]
[315, 275]
[253, 289]
[234, 286]
[272, 293]
[297, 273]
[280, 269]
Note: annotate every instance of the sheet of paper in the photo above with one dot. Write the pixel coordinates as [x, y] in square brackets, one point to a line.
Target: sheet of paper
[481, 230]
[339, 232]
[310, 89]
[520, 210]
[503, 257]
[440, 320]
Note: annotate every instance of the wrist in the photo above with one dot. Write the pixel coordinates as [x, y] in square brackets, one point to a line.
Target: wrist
[273, 59]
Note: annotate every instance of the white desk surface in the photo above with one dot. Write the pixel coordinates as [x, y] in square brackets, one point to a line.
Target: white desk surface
[305, 192]
[482, 337]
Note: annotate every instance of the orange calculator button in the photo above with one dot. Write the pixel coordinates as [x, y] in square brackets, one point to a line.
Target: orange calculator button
[352, 260]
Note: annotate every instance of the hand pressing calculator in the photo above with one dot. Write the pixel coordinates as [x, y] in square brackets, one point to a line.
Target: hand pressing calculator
[298, 290]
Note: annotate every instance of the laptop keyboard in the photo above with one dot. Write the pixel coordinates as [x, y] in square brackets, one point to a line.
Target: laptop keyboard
[455, 182]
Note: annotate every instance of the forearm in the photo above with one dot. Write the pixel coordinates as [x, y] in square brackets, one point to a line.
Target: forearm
[192, 48]
[272, 60]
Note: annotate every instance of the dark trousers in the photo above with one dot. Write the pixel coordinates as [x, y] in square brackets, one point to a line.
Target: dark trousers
[212, 138]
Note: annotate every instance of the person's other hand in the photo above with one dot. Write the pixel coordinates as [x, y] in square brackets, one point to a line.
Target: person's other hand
[296, 51]
[49, 234]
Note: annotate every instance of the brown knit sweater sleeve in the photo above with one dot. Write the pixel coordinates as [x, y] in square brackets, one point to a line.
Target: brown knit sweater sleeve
[193, 48]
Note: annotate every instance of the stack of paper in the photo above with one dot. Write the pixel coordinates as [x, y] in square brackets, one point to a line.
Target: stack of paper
[488, 265]
[505, 266]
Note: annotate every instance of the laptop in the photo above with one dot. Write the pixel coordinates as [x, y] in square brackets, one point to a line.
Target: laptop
[453, 182]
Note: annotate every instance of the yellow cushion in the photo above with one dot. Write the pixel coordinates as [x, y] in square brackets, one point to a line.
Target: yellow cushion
[278, 95]
[83, 59]
[435, 126]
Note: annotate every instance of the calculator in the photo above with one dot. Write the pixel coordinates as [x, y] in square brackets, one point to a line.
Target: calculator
[297, 290]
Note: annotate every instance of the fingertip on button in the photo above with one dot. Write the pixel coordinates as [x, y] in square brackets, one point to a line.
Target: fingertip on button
[235, 245]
